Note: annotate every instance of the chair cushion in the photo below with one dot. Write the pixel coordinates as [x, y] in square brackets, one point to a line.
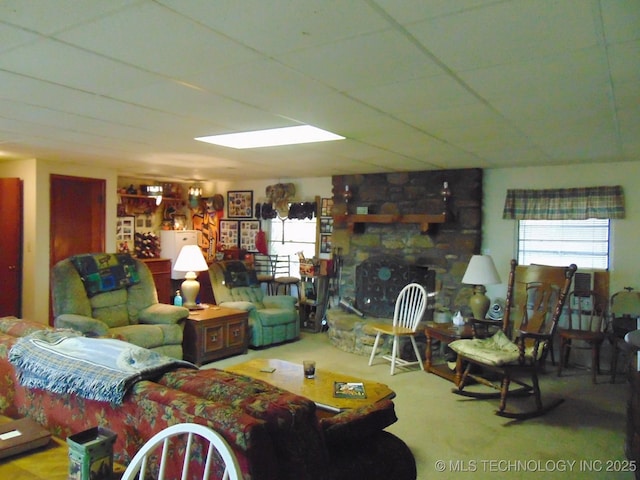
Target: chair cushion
[276, 316]
[287, 280]
[104, 272]
[496, 350]
[149, 336]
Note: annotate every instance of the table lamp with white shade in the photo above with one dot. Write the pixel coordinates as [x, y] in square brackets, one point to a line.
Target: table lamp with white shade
[481, 271]
[190, 260]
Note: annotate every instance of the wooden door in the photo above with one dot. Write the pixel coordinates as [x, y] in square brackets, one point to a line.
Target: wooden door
[11, 246]
[77, 217]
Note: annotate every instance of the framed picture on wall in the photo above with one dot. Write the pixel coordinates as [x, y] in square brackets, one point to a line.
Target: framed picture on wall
[125, 233]
[240, 204]
[325, 244]
[248, 231]
[229, 235]
[326, 225]
[326, 207]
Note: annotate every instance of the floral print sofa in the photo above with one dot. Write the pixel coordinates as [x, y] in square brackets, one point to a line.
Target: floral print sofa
[275, 434]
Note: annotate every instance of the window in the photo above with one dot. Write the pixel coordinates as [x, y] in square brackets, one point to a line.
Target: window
[290, 236]
[561, 242]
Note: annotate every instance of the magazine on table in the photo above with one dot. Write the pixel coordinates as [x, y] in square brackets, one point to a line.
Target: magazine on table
[349, 390]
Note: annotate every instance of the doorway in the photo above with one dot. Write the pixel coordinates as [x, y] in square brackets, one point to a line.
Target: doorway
[11, 246]
[77, 217]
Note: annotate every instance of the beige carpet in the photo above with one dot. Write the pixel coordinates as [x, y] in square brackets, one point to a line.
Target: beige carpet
[457, 437]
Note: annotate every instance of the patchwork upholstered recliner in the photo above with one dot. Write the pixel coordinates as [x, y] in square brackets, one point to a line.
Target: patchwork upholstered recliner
[272, 318]
[114, 295]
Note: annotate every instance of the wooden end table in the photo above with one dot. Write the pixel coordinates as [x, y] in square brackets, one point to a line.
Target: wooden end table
[290, 376]
[50, 462]
[214, 333]
[445, 333]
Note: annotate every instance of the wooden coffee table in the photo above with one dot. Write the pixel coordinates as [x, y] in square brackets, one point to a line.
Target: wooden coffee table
[289, 376]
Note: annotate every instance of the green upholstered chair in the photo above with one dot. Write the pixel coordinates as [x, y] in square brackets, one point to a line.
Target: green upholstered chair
[272, 318]
[129, 312]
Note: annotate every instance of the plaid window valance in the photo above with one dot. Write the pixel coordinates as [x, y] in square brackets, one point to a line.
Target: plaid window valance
[564, 203]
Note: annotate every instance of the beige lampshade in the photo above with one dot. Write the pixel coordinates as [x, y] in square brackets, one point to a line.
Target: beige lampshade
[191, 259]
[481, 271]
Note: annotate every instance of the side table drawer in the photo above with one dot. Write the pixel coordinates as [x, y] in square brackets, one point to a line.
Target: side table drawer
[236, 333]
[214, 338]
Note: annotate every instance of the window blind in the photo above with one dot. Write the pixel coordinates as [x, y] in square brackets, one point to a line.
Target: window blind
[562, 242]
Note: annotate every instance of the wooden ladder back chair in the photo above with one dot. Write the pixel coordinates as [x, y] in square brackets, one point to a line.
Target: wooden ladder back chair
[517, 351]
[585, 325]
[408, 312]
[220, 462]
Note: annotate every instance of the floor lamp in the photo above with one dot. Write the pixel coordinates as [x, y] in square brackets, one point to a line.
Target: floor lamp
[190, 260]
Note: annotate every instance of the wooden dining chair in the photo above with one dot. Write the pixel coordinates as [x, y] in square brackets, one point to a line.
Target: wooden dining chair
[165, 447]
[409, 309]
[584, 330]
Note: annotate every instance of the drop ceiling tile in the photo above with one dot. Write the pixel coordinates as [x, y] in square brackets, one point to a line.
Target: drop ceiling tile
[364, 61]
[624, 59]
[279, 26]
[53, 62]
[69, 121]
[174, 98]
[11, 37]
[138, 36]
[417, 94]
[264, 83]
[507, 32]
[553, 76]
[621, 20]
[336, 112]
[439, 120]
[49, 17]
[412, 12]
[517, 157]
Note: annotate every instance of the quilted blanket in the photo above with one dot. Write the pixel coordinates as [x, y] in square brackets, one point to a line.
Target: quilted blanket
[104, 272]
[95, 368]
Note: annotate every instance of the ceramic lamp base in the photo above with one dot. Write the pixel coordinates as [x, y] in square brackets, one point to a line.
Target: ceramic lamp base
[479, 302]
[190, 289]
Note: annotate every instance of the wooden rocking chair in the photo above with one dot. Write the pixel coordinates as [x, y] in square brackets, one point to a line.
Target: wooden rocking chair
[536, 294]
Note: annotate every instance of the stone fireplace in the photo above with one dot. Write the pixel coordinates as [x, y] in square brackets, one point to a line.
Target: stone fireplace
[402, 234]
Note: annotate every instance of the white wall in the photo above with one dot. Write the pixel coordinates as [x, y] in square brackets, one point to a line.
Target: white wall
[35, 175]
[499, 236]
